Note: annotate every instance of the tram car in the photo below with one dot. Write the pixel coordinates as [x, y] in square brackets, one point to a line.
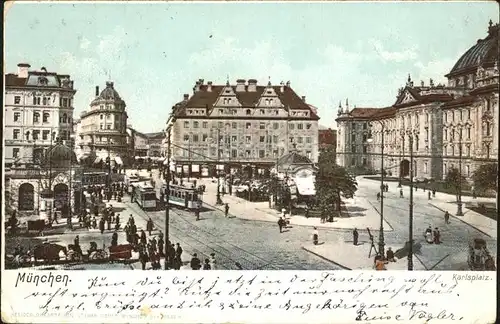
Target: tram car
[130, 182]
[185, 196]
[145, 195]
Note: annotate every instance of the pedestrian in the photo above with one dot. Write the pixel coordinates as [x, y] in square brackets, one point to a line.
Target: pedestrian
[195, 262]
[143, 237]
[315, 236]
[474, 196]
[197, 213]
[378, 196]
[76, 242]
[379, 262]
[447, 217]
[149, 226]
[109, 223]
[281, 224]
[114, 239]
[55, 217]
[161, 243]
[433, 193]
[437, 236]
[428, 235]
[131, 220]
[428, 195]
[207, 266]
[178, 256]
[101, 225]
[96, 210]
[143, 256]
[213, 262]
[355, 236]
[386, 188]
[94, 222]
[226, 209]
[390, 255]
[154, 244]
[401, 193]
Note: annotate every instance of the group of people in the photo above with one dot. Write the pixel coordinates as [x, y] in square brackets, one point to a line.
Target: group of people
[432, 236]
[209, 264]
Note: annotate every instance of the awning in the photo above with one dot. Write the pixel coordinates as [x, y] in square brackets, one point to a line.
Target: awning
[97, 160]
[305, 186]
[220, 167]
[195, 168]
[178, 169]
[118, 160]
[185, 168]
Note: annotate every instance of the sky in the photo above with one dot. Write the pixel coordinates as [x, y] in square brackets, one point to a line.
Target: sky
[155, 52]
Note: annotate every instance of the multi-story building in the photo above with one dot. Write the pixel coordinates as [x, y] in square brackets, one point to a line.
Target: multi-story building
[103, 128]
[38, 109]
[241, 126]
[447, 125]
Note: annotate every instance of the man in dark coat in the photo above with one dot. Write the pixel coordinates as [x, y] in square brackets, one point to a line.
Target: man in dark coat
[281, 224]
[226, 209]
[195, 262]
[114, 239]
[149, 226]
[143, 237]
[161, 243]
[178, 256]
[355, 236]
[101, 225]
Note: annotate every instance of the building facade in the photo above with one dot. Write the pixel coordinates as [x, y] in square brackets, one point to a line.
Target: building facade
[441, 126]
[103, 128]
[241, 126]
[38, 109]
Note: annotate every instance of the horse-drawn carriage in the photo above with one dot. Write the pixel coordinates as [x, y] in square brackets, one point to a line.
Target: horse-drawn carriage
[479, 257]
[121, 252]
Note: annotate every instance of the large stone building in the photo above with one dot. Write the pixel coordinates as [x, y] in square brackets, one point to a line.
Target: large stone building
[241, 126]
[102, 130]
[38, 108]
[447, 125]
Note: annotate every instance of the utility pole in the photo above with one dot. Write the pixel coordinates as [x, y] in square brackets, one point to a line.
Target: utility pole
[381, 243]
[402, 154]
[410, 249]
[459, 202]
[167, 195]
[219, 200]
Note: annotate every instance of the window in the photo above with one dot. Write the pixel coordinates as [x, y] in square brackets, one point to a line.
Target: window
[453, 115]
[262, 154]
[416, 143]
[65, 118]
[101, 126]
[353, 161]
[276, 112]
[445, 168]
[248, 153]
[291, 126]
[220, 125]
[488, 129]
[234, 125]
[44, 101]
[365, 126]
[195, 137]
[353, 148]
[275, 138]
[205, 124]
[308, 126]
[300, 126]
[195, 124]
[467, 149]
[291, 139]
[186, 138]
[221, 111]
[353, 137]
[445, 115]
[108, 126]
[445, 134]
[36, 117]
[276, 125]
[452, 149]
[461, 115]
[186, 124]
[204, 137]
[467, 170]
[17, 116]
[248, 139]
[425, 167]
[248, 125]
[16, 133]
[36, 134]
[65, 102]
[15, 153]
[45, 135]
[234, 153]
[17, 100]
[308, 140]
[262, 112]
[234, 139]
[364, 161]
[365, 149]
[46, 117]
[249, 112]
[299, 140]
[488, 105]
[364, 138]
[262, 126]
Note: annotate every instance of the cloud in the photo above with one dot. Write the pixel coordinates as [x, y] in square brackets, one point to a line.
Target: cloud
[396, 56]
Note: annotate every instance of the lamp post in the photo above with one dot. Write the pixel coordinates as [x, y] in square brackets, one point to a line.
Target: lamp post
[219, 200]
[459, 200]
[381, 243]
[402, 156]
[167, 194]
[410, 210]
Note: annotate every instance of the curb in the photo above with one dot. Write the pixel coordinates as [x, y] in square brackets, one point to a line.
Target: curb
[326, 259]
[457, 217]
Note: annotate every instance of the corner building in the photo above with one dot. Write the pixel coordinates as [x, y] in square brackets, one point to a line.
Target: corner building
[451, 125]
[242, 126]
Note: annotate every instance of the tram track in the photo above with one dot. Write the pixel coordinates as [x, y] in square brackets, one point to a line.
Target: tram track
[208, 243]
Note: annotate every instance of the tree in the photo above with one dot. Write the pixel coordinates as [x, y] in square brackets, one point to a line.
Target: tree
[332, 183]
[455, 180]
[485, 177]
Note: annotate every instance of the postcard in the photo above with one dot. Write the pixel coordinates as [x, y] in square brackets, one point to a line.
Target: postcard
[253, 162]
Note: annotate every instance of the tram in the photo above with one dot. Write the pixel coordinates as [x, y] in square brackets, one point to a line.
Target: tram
[144, 195]
[131, 182]
[185, 196]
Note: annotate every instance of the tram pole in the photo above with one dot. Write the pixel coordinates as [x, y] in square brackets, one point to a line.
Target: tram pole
[167, 194]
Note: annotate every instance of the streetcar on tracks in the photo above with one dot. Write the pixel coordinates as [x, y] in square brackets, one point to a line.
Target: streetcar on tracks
[131, 181]
[184, 196]
[145, 195]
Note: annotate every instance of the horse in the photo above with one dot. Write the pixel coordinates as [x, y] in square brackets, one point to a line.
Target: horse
[74, 253]
[49, 252]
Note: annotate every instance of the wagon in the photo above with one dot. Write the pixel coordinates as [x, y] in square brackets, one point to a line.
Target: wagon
[479, 257]
[123, 251]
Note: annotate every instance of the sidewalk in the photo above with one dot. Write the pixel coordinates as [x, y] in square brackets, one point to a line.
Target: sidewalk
[351, 257]
[361, 213]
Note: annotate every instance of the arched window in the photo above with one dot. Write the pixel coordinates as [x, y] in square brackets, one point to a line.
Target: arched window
[249, 112]
[26, 197]
[101, 116]
[65, 118]
[488, 129]
[38, 101]
[46, 117]
[44, 101]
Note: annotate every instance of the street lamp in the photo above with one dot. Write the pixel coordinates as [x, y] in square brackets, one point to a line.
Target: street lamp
[402, 156]
[410, 210]
[167, 192]
[459, 200]
[381, 243]
[219, 200]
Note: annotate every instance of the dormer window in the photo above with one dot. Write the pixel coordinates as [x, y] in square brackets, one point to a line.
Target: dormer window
[262, 112]
[249, 112]
[269, 92]
[221, 111]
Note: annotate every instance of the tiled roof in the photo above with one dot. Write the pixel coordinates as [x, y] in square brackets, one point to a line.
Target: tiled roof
[206, 99]
[13, 80]
[370, 113]
[363, 112]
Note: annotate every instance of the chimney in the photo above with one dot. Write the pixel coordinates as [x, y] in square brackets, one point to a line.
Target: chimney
[22, 70]
[109, 84]
[282, 87]
[209, 87]
[196, 87]
[304, 98]
[43, 69]
[201, 81]
[288, 84]
[240, 85]
[252, 85]
[186, 96]
[97, 91]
